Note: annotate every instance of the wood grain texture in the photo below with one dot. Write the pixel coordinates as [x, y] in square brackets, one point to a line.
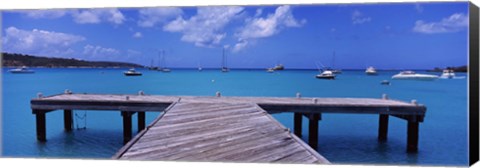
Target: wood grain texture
[219, 132]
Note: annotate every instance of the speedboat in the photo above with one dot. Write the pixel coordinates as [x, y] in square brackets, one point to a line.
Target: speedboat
[448, 74]
[22, 69]
[132, 72]
[414, 76]
[326, 74]
[225, 69]
[270, 70]
[371, 71]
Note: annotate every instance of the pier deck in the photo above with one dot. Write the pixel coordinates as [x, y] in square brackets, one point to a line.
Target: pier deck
[204, 128]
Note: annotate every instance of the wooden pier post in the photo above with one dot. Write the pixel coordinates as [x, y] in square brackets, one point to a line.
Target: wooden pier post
[141, 120]
[67, 120]
[382, 127]
[297, 124]
[41, 125]
[412, 137]
[313, 130]
[127, 126]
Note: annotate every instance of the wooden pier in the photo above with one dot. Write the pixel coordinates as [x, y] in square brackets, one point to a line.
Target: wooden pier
[219, 128]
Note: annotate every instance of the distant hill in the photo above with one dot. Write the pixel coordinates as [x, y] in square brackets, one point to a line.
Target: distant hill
[456, 69]
[16, 60]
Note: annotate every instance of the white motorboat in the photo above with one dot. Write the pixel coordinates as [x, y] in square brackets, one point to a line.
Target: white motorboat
[270, 70]
[414, 76]
[326, 74]
[371, 71]
[22, 69]
[448, 74]
[132, 72]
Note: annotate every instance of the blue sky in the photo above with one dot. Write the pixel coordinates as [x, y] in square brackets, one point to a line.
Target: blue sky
[386, 36]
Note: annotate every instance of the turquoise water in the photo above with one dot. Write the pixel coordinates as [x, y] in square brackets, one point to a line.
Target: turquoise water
[343, 138]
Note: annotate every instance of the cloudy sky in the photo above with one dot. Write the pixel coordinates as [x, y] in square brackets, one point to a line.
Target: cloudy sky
[400, 36]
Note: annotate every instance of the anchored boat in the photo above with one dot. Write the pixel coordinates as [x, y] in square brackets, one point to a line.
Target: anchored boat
[371, 71]
[22, 70]
[132, 72]
[414, 76]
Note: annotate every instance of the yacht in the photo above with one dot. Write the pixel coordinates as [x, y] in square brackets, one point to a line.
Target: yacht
[414, 76]
[326, 74]
[22, 69]
[270, 70]
[371, 71]
[132, 72]
[448, 74]
[278, 67]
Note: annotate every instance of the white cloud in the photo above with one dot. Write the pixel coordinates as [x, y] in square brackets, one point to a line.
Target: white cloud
[87, 16]
[99, 51]
[240, 45]
[137, 35]
[48, 13]
[133, 53]
[204, 29]
[261, 27]
[359, 18]
[418, 8]
[40, 42]
[149, 17]
[453, 23]
[92, 16]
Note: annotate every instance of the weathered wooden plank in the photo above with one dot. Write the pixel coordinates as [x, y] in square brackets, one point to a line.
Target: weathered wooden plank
[172, 139]
[198, 147]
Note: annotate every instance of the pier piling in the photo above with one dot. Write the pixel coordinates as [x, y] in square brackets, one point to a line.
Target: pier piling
[141, 121]
[412, 137]
[313, 130]
[67, 120]
[297, 124]
[41, 125]
[127, 126]
[382, 127]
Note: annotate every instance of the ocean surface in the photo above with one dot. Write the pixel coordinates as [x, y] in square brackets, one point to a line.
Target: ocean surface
[343, 138]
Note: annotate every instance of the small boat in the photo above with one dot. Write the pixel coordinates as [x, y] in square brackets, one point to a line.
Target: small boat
[326, 74]
[448, 74]
[278, 67]
[385, 82]
[414, 76]
[132, 72]
[165, 70]
[225, 69]
[371, 71]
[270, 70]
[22, 70]
[336, 71]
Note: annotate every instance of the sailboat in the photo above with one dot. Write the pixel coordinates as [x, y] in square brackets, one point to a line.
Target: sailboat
[224, 62]
[335, 71]
[326, 74]
[163, 68]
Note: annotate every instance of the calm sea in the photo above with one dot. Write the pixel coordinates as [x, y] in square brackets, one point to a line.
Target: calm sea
[343, 138]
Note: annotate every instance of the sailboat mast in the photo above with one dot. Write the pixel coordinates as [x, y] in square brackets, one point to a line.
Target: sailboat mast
[223, 58]
[333, 65]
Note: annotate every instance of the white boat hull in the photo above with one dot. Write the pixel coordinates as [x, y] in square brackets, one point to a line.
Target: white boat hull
[415, 77]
